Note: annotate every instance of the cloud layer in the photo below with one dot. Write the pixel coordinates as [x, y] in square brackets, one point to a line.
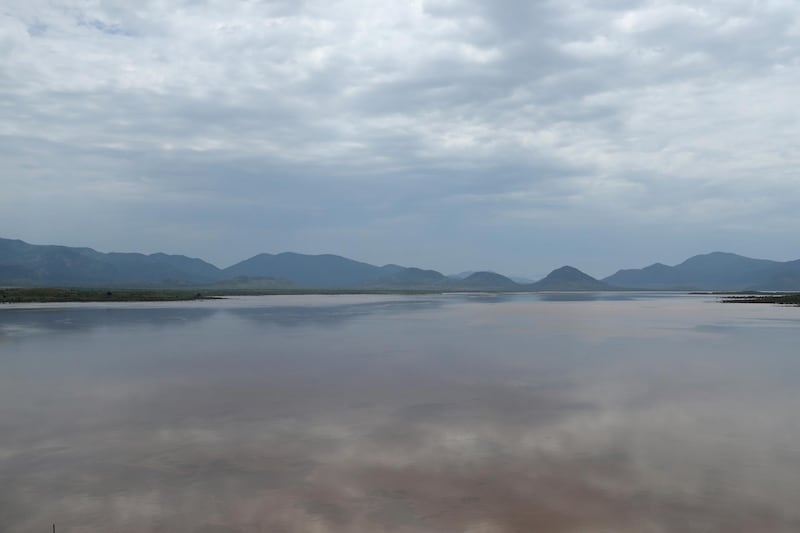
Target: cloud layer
[448, 134]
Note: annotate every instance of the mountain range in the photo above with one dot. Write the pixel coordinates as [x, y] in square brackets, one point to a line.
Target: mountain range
[24, 264]
[719, 271]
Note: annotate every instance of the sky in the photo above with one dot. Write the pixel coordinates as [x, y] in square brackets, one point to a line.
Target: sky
[515, 136]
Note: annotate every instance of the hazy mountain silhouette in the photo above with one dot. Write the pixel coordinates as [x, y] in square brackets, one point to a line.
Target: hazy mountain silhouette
[461, 275]
[311, 270]
[28, 264]
[714, 271]
[467, 273]
[568, 278]
[783, 277]
[23, 264]
[490, 281]
[413, 276]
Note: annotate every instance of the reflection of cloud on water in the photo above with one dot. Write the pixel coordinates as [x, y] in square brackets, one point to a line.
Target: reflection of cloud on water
[26, 321]
[410, 423]
[532, 460]
[12, 330]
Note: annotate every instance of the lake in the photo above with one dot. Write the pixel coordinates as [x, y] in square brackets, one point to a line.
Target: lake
[604, 412]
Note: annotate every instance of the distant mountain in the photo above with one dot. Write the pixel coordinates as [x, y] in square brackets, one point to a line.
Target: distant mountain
[481, 279]
[783, 277]
[461, 275]
[568, 278]
[714, 271]
[490, 281]
[413, 278]
[23, 264]
[312, 270]
[28, 265]
[197, 269]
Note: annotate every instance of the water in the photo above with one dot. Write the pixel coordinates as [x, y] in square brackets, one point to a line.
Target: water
[455, 413]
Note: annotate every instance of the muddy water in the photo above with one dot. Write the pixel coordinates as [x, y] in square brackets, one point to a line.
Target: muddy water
[367, 414]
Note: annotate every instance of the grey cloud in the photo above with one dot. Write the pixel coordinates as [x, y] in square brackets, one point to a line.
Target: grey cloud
[596, 109]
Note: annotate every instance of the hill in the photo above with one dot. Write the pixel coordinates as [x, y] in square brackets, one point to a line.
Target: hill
[568, 278]
[714, 271]
[29, 265]
[23, 264]
[490, 281]
[413, 278]
[324, 270]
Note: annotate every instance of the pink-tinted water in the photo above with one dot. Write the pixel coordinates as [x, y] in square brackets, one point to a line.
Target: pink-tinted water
[558, 413]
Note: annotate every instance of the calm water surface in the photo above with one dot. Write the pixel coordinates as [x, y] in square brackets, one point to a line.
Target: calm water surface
[367, 414]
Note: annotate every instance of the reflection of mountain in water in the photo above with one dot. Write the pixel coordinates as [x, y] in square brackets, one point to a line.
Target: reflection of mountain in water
[16, 321]
[331, 315]
[78, 319]
[584, 296]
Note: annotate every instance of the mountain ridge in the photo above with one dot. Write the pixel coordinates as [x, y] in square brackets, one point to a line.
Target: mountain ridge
[24, 264]
[569, 278]
[712, 271]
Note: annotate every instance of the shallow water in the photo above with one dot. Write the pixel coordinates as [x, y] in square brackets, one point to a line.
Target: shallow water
[467, 413]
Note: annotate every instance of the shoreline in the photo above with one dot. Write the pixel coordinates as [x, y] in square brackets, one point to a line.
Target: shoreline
[792, 299]
[14, 295]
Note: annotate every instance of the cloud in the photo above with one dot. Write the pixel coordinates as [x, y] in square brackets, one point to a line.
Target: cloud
[540, 115]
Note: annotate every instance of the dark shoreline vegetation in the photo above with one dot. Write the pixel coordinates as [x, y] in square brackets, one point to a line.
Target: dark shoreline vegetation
[778, 298]
[79, 294]
[82, 294]
[52, 294]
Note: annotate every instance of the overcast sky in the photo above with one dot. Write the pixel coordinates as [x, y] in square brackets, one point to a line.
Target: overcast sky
[517, 136]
